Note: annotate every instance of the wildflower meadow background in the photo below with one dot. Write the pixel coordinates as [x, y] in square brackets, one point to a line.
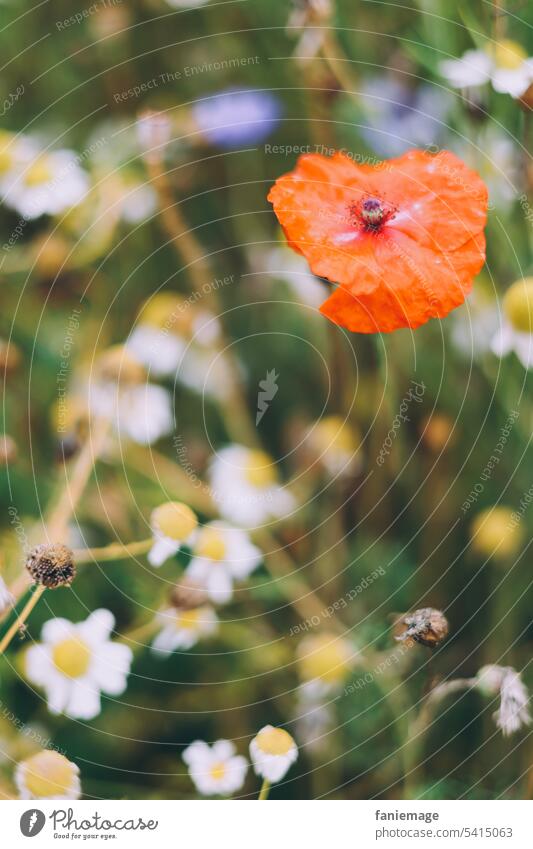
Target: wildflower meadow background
[243, 548]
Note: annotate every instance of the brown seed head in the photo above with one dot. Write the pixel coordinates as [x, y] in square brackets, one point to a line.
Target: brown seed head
[426, 626]
[51, 565]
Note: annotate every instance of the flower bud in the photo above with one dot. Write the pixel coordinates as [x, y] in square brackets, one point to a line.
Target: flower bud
[518, 305]
[51, 565]
[495, 532]
[324, 657]
[174, 520]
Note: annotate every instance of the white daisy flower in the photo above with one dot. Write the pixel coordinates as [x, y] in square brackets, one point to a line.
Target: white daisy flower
[273, 751]
[139, 410]
[245, 486]
[154, 131]
[14, 152]
[334, 443]
[6, 599]
[513, 713]
[182, 629]
[221, 555]
[174, 338]
[284, 264]
[48, 775]
[516, 330]
[45, 184]
[215, 770]
[173, 525]
[138, 203]
[76, 662]
[473, 325]
[506, 65]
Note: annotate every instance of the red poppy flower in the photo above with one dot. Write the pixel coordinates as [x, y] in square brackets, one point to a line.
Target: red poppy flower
[403, 240]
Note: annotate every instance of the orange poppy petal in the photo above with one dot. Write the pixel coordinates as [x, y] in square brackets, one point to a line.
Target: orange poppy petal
[403, 240]
[441, 202]
[430, 292]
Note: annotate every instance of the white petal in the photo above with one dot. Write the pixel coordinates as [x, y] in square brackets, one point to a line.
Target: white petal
[83, 701]
[56, 630]
[162, 549]
[223, 749]
[97, 627]
[219, 584]
[197, 752]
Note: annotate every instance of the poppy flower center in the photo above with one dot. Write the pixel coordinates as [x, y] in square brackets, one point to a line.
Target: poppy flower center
[371, 214]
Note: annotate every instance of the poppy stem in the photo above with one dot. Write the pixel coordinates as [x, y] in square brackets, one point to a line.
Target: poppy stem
[265, 790]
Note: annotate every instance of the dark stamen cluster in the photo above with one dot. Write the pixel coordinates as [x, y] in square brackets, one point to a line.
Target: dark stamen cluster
[371, 214]
[51, 565]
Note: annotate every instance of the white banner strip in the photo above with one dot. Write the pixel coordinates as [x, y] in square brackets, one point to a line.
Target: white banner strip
[252, 825]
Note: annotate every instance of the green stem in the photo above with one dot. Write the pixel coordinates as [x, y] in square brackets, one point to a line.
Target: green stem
[265, 789]
[114, 551]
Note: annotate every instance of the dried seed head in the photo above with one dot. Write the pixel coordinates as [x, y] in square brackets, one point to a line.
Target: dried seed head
[187, 595]
[51, 565]
[426, 626]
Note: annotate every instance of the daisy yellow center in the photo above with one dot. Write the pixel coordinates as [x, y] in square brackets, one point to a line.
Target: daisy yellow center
[274, 741]
[260, 470]
[38, 173]
[48, 774]
[333, 432]
[6, 161]
[167, 311]
[518, 305]
[188, 619]
[174, 520]
[211, 545]
[508, 55]
[218, 771]
[71, 657]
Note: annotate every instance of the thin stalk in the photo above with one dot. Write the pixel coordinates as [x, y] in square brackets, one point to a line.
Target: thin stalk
[57, 524]
[21, 618]
[113, 551]
[265, 790]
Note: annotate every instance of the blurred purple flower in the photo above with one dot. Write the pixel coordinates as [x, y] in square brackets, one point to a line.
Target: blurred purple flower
[237, 116]
[399, 117]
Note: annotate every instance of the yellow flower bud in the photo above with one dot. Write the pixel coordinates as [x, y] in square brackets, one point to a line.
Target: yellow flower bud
[496, 532]
[518, 305]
